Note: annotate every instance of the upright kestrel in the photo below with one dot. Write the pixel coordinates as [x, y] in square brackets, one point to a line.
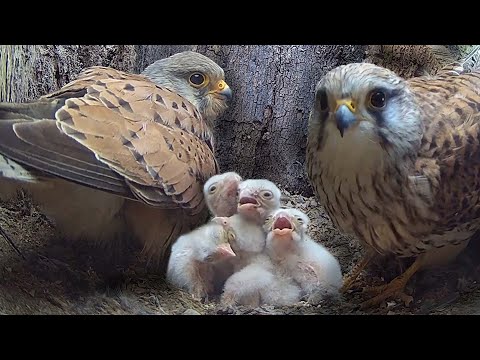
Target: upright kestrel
[113, 154]
[397, 163]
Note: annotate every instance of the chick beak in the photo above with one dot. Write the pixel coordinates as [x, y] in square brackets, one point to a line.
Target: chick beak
[344, 115]
[225, 250]
[282, 227]
[223, 89]
[247, 203]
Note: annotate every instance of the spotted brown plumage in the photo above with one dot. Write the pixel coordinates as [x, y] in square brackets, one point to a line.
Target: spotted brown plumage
[404, 176]
[141, 146]
[415, 60]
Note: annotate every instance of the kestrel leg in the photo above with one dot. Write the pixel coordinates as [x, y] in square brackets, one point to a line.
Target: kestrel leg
[351, 277]
[394, 289]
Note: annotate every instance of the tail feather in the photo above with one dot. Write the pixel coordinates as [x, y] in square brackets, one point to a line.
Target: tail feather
[31, 110]
[24, 111]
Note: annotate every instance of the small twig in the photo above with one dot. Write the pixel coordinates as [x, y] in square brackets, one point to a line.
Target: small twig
[12, 244]
[157, 302]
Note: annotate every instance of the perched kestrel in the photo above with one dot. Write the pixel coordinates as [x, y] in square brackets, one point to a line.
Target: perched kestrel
[397, 163]
[140, 146]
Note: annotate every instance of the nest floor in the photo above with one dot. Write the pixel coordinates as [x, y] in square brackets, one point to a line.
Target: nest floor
[58, 278]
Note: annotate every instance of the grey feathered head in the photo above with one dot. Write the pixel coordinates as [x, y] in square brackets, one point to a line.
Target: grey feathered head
[195, 77]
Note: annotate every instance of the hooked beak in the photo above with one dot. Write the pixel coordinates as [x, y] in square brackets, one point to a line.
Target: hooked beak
[344, 115]
[247, 203]
[225, 250]
[222, 88]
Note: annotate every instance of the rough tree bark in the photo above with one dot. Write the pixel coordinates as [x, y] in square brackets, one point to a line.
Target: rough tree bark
[29, 71]
[263, 134]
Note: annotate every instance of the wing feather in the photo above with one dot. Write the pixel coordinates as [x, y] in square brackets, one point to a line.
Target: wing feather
[116, 132]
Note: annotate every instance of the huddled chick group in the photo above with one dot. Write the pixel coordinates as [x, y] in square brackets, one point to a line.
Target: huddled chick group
[252, 251]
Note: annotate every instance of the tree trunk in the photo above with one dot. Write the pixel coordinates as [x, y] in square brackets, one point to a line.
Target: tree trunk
[29, 71]
[262, 135]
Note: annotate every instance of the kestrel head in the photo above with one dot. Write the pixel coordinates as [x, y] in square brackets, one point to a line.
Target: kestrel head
[257, 198]
[285, 228]
[361, 109]
[220, 193]
[214, 244]
[195, 77]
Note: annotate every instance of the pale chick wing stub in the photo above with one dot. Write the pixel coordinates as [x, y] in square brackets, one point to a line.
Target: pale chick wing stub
[139, 140]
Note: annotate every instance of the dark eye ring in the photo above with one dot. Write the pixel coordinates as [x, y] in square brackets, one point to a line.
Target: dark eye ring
[323, 100]
[378, 99]
[197, 79]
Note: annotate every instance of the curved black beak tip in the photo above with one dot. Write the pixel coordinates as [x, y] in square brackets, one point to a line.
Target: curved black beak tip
[227, 92]
[344, 118]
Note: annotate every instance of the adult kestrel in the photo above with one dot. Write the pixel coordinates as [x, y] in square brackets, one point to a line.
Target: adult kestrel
[397, 163]
[114, 154]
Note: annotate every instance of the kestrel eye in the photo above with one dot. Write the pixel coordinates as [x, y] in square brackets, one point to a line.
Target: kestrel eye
[300, 220]
[212, 189]
[197, 79]
[377, 99]
[267, 194]
[323, 100]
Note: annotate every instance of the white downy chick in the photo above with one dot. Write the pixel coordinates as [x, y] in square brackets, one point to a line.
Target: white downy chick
[296, 255]
[257, 198]
[195, 256]
[221, 195]
[255, 282]
[258, 284]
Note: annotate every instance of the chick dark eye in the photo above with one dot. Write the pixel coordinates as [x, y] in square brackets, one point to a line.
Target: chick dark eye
[197, 79]
[212, 188]
[267, 194]
[377, 99]
[323, 100]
